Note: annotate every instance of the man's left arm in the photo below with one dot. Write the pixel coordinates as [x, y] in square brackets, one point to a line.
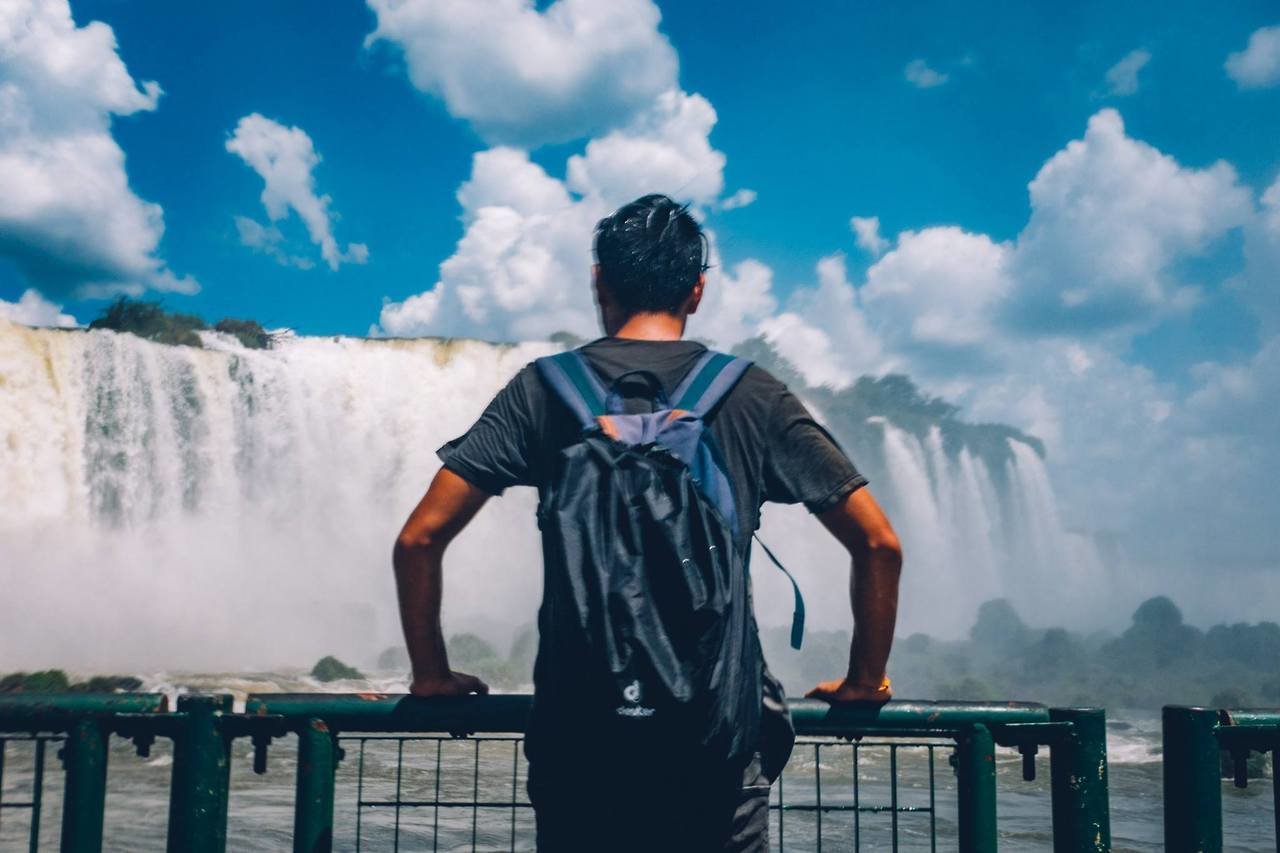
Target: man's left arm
[449, 504]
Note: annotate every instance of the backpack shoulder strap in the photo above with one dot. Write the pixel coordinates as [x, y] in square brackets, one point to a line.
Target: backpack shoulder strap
[575, 383]
[797, 615]
[714, 374]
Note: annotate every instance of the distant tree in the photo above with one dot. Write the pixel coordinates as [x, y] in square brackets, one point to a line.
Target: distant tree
[1157, 637]
[524, 648]
[249, 332]
[999, 626]
[149, 320]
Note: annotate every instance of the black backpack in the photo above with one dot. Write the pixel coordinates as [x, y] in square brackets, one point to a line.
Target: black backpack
[646, 627]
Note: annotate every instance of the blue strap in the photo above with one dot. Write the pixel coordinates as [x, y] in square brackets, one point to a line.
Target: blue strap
[797, 615]
[714, 374]
[575, 383]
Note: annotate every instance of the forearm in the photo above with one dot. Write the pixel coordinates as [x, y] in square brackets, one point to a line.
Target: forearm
[419, 581]
[873, 592]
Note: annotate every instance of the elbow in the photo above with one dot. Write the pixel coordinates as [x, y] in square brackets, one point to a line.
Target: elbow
[886, 552]
[414, 543]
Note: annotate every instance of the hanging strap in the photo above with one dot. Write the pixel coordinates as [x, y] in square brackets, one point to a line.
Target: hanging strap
[714, 374]
[797, 615]
[575, 383]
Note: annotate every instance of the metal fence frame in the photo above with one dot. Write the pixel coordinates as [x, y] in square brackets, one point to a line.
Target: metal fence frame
[1194, 741]
[203, 728]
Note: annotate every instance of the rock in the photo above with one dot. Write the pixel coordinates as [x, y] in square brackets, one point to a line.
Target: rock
[329, 668]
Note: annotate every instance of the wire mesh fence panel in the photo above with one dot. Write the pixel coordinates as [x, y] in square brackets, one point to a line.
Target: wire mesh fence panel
[417, 792]
[29, 771]
[441, 793]
[868, 795]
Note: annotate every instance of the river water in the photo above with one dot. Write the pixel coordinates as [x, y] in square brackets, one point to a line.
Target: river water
[261, 807]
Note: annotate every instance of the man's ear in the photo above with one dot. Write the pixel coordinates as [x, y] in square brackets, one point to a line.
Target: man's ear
[695, 295]
[597, 287]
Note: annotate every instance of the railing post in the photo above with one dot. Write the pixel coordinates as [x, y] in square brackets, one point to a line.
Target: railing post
[976, 772]
[1192, 781]
[1078, 770]
[201, 777]
[85, 757]
[313, 799]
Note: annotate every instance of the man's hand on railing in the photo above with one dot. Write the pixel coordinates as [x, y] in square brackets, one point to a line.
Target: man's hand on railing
[453, 684]
[846, 690]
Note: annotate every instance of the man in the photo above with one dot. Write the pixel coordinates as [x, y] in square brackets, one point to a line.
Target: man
[600, 793]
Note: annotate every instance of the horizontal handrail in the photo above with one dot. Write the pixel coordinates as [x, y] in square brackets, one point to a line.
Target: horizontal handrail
[385, 712]
[202, 728]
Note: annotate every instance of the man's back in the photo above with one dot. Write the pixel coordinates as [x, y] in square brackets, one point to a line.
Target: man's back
[651, 256]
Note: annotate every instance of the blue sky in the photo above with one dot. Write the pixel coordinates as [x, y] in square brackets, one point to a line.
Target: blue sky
[1069, 213]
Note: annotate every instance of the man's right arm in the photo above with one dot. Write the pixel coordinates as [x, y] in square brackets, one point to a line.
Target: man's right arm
[861, 526]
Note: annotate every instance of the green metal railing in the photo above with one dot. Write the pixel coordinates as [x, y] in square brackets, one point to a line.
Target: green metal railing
[1196, 741]
[858, 755]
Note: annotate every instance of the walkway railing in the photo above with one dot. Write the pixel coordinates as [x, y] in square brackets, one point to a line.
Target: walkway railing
[1196, 742]
[480, 795]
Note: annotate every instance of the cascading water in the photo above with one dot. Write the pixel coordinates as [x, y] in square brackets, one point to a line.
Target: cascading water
[223, 507]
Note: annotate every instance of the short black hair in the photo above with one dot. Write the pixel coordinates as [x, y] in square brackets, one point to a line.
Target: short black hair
[651, 253]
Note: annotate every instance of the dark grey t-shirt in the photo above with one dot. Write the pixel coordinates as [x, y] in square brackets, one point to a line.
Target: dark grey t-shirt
[772, 447]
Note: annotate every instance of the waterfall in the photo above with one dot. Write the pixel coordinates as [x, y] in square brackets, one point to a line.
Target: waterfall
[224, 507]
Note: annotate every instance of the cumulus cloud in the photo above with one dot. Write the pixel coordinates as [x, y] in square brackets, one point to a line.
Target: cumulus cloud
[70, 222]
[735, 302]
[32, 309]
[522, 268]
[285, 158]
[526, 76]
[1258, 283]
[1111, 217]
[1258, 65]
[664, 149]
[866, 232]
[1122, 78]
[920, 75]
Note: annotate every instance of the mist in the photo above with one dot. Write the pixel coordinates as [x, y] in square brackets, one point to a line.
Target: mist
[227, 508]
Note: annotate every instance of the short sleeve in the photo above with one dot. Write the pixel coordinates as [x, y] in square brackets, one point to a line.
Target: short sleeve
[804, 463]
[497, 451]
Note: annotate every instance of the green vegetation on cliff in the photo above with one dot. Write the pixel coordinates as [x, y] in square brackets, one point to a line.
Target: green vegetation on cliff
[1157, 660]
[151, 321]
[56, 681]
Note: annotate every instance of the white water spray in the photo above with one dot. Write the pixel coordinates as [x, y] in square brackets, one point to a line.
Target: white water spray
[221, 507]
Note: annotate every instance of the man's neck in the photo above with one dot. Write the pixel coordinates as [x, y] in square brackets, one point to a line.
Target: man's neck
[651, 326]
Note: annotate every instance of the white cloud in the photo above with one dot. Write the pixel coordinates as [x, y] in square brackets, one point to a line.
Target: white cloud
[70, 222]
[920, 75]
[32, 309]
[268, 240]
[664, 149]
[1258, 65]
[734, 302]
[524, 76]
[741, 198]
[522, 268]
[1122, 78]
[1258, 283]
[934, 293]
[866, 232]
[284, 157]
[1111, 217]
